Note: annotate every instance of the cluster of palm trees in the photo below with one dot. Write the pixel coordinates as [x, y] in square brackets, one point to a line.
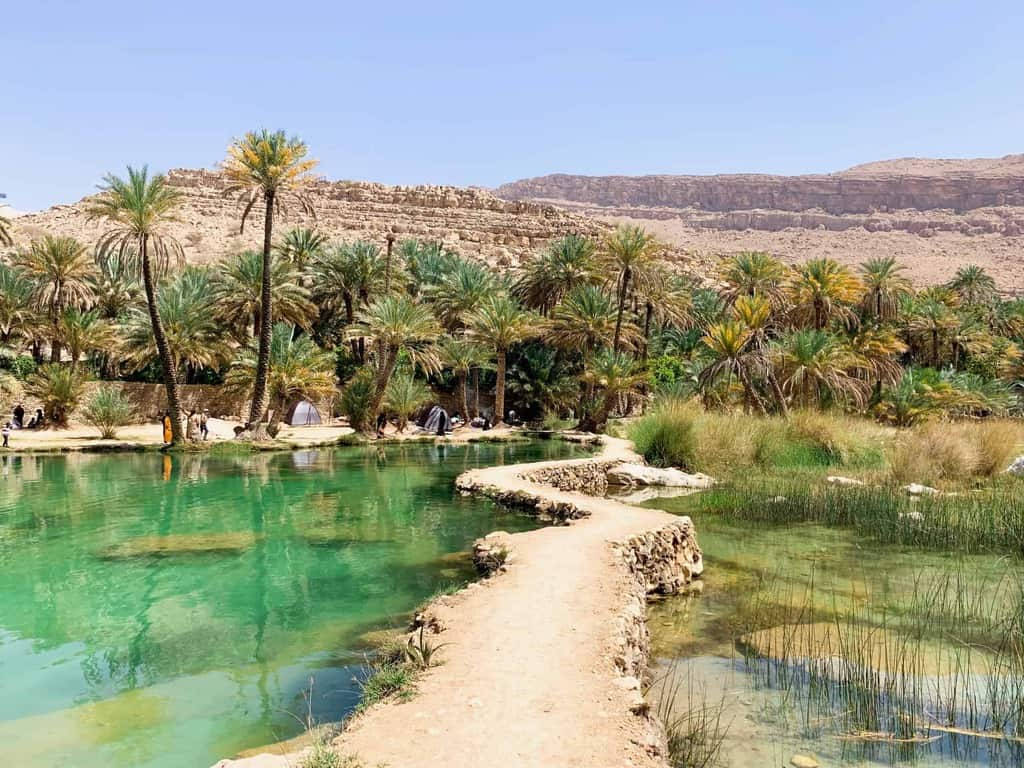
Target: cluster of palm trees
[581, 328]
[821, 335]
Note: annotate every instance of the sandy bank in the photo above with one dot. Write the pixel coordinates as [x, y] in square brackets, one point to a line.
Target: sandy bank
[541, 663]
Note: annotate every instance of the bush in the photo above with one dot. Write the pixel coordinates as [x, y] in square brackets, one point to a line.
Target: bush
[108, 409]
[59, 388]
[940, 453]
[666, 436]
[357, 398]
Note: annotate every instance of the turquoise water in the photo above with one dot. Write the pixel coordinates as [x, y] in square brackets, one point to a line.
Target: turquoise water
[168, 611]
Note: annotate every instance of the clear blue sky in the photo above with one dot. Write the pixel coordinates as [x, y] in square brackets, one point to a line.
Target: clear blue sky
[484, 92]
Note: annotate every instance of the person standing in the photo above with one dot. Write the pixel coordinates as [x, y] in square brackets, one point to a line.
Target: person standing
[204, 427]
[7, 434]
[168, 434]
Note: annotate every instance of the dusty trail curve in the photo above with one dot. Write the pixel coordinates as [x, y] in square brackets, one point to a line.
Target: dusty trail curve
[541, 663]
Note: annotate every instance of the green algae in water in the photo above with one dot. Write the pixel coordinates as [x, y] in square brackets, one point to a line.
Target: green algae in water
[168, 611]
[954, 621]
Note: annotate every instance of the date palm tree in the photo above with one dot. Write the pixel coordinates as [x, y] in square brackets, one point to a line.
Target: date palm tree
[546, 278]
[403, 395]
[462, 356]
[886, 289]
[298, 369]
[585, 321]
[138, 211]
[268, 166]
[85, 332]
[116, 284]
[60, 270]
[460, 291]
[629, 252]
[755, 273]
[930, 326]
[813, 364]
[732, 356]
[498, 323]
[301, 245]
[823, 291]
[396, 324]
[613, 374]
[15, 303]
[667, 300]
[973, 285]
[239, 289]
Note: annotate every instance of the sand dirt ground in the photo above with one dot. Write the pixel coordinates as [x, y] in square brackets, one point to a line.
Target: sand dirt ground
[527, 679]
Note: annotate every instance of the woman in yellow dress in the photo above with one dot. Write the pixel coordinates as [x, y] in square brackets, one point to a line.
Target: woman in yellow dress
[168, 434]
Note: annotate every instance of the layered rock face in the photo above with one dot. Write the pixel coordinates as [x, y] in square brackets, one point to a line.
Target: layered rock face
[472, 222]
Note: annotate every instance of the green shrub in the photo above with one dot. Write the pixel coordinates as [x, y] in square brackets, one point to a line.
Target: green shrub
[108, 409]
[666, 436]
[59, 388]
[357, 398]
[387, 678]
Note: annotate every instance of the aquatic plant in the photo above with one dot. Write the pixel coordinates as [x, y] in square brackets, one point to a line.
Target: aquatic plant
[385, 678]
[695, 728]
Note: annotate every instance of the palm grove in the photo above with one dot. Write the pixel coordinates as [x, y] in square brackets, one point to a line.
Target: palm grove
[583, 328]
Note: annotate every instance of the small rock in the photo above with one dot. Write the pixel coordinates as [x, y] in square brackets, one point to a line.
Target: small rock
[632, 475]
[916, 489]
[839, 480]
[1017, 467]
[803, 761]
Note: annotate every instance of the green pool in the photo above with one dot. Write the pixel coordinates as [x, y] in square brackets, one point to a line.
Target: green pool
[169, 611]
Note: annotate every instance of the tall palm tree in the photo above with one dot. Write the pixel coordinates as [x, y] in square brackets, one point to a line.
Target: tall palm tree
[273, 167]
[755, 312]
[300, 246]
[728, 344]
[822, 291]
[460, 291]
[462, 356]
[755, 273]
[194, 335]
[885, 289]
[396, 324]
[15, 302]
[239, 289]
[973, 285]
[930, 326]
[546, 278]
[813, 364]
[85, 332]
[874, 353]
[629, 252]
[139, 210]
[60, 270]
[499, 322]
[298, 369]
[585, 321]
[667, 300]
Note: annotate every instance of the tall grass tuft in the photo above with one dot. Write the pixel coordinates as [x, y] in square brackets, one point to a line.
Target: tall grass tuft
[944, 453]
[695, 728]
[665, 437]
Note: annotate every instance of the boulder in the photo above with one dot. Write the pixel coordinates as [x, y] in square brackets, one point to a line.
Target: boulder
[634, 475]
[845, 481]
[1017, 467]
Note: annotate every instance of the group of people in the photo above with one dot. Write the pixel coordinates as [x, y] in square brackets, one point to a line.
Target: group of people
[196, 427]
[18, 422]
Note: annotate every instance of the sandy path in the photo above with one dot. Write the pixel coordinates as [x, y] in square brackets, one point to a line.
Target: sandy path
[528, 678]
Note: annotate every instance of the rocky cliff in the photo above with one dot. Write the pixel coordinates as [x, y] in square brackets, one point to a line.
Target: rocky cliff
[470, 221]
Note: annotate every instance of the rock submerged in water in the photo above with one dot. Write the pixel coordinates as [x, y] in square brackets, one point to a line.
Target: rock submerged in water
[633, 475]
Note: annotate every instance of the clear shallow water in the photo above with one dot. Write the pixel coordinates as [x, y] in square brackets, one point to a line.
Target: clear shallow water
[846, 576]
[161, 611]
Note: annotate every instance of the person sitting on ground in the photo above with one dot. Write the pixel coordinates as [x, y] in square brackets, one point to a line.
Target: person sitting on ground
[39, 419]
[7, 434]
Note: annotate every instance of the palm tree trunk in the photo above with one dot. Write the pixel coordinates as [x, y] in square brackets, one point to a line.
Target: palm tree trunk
[163, 348]
[622, 305]
[387, 264]
[476, 392]
[647, 331]
[499, 390]
[259, 390]
[464, 396]
[389, 360]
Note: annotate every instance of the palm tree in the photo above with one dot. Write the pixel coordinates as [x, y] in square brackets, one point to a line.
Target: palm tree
[188, 319]
[614, 374]
[300, 246]
[116, 284]
[460, 291]
[667, 300]
[462, 356]
[60, 270]
[85, 332]
[755, 312]
[403, 395]
[545, 279]
[586, 320]
[973, 285]
[874, 354]
[628, 254]
[239, 289]
[59, 388]
[885, 289]
[15, 302]
[732, 356]
[5, 231]
[930, 325]
[269, 166]
[397, 324]
[139, 210]
[822, 291]
[426, 263]
[754, 273]
[813, 364]
[499, 322]
[298, 369]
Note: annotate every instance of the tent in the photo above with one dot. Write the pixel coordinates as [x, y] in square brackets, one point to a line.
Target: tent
[303, 414]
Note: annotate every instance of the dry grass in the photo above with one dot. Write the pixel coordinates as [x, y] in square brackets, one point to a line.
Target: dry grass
[944, 453]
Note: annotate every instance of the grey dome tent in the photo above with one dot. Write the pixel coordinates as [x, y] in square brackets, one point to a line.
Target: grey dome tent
[303, 414]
